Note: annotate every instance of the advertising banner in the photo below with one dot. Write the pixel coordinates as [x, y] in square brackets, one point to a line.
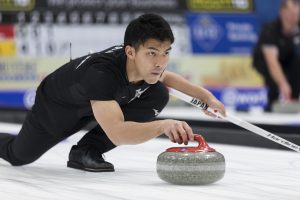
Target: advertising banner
[230, 78]
[17, 99]
[222, 34]
[7, 48]
[7, 43]
[26, 73]
[230, 6]
[78, 40]
[89, 11]
[116, 5]
[16, 5]
[19, 78]
[6, 31]
[241, 98]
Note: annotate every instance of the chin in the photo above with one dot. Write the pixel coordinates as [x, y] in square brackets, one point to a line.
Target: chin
[152, 81]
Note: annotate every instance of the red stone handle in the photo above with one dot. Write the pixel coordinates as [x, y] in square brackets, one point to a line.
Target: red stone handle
[202, 142]
[202, 146]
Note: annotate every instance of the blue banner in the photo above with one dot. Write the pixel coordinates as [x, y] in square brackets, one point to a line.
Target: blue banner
[222, 33]
[241, 98]
[17, 99]
[234, 97]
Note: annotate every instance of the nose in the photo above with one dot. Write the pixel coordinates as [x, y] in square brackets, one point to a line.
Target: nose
[158, 66]
[161, 61]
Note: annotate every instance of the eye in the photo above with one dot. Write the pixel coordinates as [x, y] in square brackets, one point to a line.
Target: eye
[167, 53]
[151, 53]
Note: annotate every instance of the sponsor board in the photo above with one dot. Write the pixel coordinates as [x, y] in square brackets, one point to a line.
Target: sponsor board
[6, 31]
[232, 97]
[33, 40]
[94, 11]
[230, 6]
[73, 17]
[7, 43]
[220, 33]
[16, 5]
[242, 98]
[230, 78]
[17, 98]
[7, 48]
[26, 73]
[53, 41]
[118, 5]
[19, 78]
[215, 72]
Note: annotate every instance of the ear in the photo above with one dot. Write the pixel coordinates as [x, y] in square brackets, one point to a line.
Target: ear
[130, 52]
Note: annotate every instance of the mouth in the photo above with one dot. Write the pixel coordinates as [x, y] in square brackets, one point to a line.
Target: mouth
[156, 73]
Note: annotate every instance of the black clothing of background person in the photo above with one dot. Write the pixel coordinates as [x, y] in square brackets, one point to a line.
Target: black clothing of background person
[272, 35]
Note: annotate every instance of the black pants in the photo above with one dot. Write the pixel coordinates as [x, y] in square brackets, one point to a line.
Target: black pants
[33, 140]
[292, 74]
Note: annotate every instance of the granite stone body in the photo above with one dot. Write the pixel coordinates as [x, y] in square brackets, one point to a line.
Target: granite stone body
[190, 168]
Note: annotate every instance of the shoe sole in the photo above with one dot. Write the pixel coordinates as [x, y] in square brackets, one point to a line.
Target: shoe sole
[76, 165]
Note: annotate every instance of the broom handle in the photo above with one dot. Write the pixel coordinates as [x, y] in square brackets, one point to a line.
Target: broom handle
[246, 125]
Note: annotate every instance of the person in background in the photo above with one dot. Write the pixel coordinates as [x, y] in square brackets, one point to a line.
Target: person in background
[275, 55]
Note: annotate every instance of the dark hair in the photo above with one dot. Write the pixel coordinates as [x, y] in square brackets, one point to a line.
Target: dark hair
[284, 3]
[145, 27]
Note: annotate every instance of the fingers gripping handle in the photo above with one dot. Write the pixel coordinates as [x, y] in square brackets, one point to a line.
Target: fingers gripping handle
[259, 131]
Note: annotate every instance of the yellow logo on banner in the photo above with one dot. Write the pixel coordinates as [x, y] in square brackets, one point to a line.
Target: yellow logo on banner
[220, 5]
[16, 5]
[7, 48]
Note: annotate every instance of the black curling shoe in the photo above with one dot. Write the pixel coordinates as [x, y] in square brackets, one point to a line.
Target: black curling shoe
[87, 158]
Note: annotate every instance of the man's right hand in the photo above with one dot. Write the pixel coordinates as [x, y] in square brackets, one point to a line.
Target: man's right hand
[177, 131]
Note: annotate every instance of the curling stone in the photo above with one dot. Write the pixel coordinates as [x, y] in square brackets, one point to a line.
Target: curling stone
[286, 107]
[191, 165]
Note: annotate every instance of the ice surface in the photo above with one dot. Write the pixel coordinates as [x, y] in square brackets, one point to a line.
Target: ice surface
[251, 173]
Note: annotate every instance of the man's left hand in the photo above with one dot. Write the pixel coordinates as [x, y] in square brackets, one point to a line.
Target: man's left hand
[216, 106]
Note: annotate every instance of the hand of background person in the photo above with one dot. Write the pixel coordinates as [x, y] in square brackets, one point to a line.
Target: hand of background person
[285, 91]
[178, 131]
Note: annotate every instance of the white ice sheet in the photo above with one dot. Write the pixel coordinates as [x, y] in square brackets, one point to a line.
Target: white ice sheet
[251, 174]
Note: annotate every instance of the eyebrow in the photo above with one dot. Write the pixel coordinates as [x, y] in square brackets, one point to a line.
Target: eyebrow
[153, 48]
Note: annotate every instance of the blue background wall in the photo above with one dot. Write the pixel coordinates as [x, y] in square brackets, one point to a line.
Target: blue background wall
[266, 10]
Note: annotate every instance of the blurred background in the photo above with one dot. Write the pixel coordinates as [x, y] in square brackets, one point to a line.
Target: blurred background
[214, 40]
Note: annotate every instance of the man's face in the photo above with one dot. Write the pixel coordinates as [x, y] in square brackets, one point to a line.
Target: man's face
[290, 17]
[151, 59]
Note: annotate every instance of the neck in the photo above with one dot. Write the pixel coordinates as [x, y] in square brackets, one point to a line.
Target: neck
[287, 29]
[288, 32]
[132, 73]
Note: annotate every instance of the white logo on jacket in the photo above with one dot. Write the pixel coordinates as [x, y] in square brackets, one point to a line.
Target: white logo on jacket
[156, 112]
[138, 93]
